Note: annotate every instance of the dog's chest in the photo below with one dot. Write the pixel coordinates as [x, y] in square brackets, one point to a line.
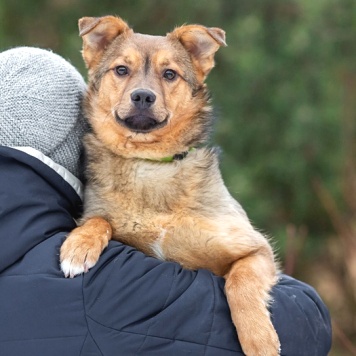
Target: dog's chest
[141, 198]
[135, 188]
[146, 186]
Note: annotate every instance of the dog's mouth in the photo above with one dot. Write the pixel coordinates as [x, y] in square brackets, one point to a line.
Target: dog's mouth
[141, 123]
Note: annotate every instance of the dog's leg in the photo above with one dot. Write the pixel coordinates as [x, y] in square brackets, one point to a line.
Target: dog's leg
[247, 287]
[244, 258]
[84, 245]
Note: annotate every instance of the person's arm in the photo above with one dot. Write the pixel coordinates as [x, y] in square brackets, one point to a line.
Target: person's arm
[153, 307]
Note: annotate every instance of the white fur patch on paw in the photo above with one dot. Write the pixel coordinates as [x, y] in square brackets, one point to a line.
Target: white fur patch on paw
[71, 270]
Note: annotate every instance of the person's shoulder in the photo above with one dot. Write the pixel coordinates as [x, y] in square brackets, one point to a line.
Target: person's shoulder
[301, 318]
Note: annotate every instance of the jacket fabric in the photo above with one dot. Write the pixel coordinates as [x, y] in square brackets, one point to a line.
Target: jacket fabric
[128, 304]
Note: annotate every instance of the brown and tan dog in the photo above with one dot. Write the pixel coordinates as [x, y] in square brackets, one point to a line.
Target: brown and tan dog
[148, 107]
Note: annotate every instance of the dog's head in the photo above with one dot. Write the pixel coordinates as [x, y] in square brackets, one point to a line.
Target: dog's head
[146, 95]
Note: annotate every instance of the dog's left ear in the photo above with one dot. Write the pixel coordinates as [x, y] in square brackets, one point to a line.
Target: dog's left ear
[97, 34]
[202, 43]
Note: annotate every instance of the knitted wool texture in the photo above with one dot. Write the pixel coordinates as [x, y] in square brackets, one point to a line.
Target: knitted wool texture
[40, 105]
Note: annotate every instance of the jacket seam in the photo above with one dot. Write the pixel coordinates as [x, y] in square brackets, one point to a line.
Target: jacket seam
[164, 305]
[213, 316]
[161, 337]
[86, 321]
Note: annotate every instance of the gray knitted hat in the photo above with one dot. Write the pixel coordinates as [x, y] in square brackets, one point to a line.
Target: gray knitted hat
[40, 104]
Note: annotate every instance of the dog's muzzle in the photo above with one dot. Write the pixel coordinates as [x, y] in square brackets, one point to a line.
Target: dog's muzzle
[140, 123]
[141, 119]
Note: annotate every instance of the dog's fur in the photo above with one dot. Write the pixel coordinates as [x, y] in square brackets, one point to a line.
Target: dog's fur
[180, 210]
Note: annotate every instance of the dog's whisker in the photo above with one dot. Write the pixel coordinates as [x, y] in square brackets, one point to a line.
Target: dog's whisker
[108, 116]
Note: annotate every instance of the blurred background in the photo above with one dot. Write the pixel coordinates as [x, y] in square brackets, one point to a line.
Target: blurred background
[285, 94]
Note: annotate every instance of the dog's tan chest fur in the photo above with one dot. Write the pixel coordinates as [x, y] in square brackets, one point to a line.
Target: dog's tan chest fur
[145, 201]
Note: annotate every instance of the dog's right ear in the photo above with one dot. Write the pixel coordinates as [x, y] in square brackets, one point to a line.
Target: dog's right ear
[97, 34]
[201, 43]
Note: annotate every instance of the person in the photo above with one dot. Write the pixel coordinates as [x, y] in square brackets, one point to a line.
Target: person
[129, 303]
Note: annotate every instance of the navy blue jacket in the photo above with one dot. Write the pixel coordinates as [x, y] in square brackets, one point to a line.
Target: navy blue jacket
[128, 304]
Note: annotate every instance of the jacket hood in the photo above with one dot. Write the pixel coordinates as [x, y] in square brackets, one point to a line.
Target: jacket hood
[37, 199]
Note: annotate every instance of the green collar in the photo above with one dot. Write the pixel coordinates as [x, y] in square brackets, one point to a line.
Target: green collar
[176, 157]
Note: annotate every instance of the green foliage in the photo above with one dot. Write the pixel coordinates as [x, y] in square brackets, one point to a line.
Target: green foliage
[278, 87]
[281, 102]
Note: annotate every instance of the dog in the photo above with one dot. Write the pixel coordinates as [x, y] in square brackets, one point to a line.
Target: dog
[152, 183]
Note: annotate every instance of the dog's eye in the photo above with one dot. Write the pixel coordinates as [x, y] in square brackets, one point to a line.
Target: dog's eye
[121, 70]
[169, 74]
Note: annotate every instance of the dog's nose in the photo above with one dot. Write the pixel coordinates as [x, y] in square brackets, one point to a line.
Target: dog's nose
[143, 98]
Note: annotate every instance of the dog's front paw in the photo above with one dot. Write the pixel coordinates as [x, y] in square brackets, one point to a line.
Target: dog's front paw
[83, 247]
[79, 254]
